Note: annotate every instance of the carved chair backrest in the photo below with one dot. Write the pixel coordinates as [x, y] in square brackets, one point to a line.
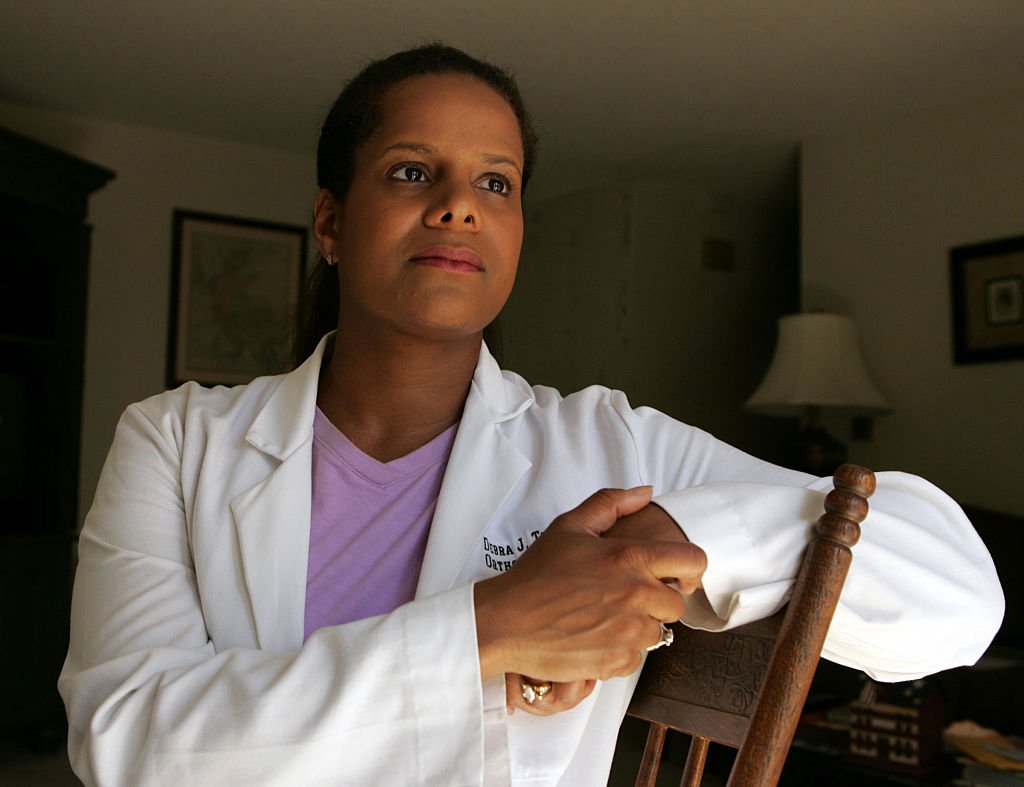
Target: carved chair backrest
[746, 687]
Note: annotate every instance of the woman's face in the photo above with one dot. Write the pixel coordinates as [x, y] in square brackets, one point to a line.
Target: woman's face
[427, 238]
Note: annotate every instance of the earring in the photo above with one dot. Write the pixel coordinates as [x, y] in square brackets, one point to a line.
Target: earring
[330, 259]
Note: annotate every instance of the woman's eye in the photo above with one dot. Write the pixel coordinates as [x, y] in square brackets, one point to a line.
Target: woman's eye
[409, 172]
[498, 185]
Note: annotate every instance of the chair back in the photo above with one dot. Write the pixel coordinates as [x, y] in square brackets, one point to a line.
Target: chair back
[746, 687]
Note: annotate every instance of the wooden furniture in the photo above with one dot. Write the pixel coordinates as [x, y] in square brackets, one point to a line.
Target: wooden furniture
[898, 726]
[746, 687]
[44, 252]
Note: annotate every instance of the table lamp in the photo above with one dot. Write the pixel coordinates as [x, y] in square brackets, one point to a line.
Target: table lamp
[817, 365]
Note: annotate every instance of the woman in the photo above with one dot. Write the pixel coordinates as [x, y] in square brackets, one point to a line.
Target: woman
[337, 576]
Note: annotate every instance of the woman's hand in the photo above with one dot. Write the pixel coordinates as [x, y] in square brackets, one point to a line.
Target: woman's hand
[561, 697]
[576, 607]
[651, 523]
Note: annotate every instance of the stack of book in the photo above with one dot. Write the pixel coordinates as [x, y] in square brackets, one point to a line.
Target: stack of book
[989, 759]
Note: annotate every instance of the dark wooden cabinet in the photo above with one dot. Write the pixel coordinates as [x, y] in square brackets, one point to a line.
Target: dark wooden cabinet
[44, 263]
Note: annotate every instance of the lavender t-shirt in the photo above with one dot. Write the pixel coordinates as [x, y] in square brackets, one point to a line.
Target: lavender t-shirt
[370, 522]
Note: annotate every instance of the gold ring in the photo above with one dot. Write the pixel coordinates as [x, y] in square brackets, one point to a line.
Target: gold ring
[532, 692]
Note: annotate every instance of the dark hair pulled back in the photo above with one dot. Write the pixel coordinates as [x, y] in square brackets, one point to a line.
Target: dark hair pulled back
[353, 117]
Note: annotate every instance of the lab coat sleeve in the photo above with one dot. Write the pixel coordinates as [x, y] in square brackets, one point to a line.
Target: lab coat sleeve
[394, 699]
[922, 594]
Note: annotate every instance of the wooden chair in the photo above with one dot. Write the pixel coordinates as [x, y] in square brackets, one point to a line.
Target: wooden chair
[746, 687]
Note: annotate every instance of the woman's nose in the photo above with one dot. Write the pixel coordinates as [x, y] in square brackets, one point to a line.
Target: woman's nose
[455, 209]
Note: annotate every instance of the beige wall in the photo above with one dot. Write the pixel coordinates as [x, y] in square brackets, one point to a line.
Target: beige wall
[156, 172]
[881, 208]
[611, 290]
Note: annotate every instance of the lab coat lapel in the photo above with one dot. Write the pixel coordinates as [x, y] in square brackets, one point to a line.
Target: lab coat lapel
[483, 468]
[272, 522]
[272, 518]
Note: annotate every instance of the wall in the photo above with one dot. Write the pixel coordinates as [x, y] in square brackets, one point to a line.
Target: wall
[128, 296]
[612, 290]
[611, 287]
[881, 208]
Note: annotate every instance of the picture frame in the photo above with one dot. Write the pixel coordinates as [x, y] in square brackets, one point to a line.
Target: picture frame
[988, 300]
[234, 287]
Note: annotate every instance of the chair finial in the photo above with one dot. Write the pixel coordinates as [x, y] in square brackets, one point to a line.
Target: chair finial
[846, 506]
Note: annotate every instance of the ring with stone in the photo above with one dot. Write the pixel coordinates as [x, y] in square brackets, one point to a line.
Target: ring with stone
[667, 637]
[532, 692]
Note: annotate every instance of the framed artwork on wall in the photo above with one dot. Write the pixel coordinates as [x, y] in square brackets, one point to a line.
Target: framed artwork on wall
[988, 300]
[234, 286]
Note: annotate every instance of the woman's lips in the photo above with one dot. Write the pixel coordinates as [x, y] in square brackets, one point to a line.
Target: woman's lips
[450, 258]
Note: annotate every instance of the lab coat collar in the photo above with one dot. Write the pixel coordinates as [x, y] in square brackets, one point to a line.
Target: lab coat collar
[272, 518]
[504, 397]
[285, 423]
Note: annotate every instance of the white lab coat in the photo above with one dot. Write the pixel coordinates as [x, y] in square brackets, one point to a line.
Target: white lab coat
[187, 665]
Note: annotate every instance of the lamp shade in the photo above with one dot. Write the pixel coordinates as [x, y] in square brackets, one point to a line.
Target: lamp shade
[817, 363]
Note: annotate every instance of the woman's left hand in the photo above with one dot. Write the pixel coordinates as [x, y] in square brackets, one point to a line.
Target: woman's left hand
[561, 697]
[652, 523]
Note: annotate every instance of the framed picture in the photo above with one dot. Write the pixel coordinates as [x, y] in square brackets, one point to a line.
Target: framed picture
[234, 286]
[988, 300]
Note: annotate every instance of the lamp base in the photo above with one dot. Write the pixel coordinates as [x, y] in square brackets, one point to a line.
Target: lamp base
[817, 452]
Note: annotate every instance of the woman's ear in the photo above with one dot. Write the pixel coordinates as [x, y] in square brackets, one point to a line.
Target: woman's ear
[325, 223]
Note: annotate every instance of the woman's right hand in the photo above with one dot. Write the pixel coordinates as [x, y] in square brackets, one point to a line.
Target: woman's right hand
[576, 606]
[561, 696]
